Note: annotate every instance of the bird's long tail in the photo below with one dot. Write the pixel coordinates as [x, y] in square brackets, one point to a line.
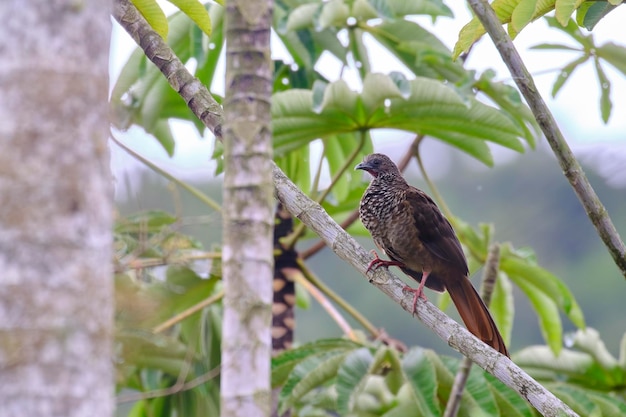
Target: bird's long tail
[474, 313]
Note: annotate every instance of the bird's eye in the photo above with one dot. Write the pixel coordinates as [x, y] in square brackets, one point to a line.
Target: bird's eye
[376, 162]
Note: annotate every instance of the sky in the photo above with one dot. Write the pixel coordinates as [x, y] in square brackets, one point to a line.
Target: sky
[576, 107]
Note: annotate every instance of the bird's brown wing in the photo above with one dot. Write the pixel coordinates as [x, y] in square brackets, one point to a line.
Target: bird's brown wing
[437, 235]
[435, 232]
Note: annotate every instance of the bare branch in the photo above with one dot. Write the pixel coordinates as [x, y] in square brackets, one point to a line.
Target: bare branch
[570, 166]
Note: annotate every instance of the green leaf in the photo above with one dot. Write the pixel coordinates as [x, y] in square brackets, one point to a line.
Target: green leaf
[506, 11]
[478, 388]
[431, 109]
[144, 349]
[564, 9]
[301, 17]
[208, 66]
[378, 88]
[149, 221]
[614, 55]
[386, 362]
[421, 51]
[605, 92]
[566, 72]
[509, 402]
[162, 132]
[401, 8]
[547, 312]
[502, 306]
[595, 13]
[151, 11]
[520, 267]
[295, 165]
[576, 399]
[334, 13]
[196, 11]
[523, 14]
[351, 378]
[446, 369]
[359, 52]
[607, 404]
[333, 152]
[308, 375]
[283, 364]
[420, 373]
[556, 46]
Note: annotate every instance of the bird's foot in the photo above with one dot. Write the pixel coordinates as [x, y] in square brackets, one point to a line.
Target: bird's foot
[418, 293]
[377, 263]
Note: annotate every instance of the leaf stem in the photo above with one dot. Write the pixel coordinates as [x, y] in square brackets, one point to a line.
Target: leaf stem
[190, 188]
[291, 240]
[312, 278]
[431, 185]
[188, 312]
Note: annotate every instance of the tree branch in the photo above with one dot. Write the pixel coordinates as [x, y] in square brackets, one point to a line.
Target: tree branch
[570, 166]
[347, 248]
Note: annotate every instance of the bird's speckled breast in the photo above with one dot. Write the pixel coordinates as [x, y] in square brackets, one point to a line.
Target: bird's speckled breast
[386, 216]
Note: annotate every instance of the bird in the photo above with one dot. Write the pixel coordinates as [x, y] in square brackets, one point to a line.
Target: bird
[407, 225]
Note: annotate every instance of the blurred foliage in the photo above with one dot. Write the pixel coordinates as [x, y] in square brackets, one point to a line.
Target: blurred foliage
[337, 377]
[155, 281]
[609, 52]
[158, 276]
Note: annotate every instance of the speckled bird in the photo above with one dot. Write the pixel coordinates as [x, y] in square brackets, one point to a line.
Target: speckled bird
[409, 227]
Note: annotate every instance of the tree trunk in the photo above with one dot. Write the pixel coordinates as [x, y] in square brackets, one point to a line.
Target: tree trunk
[248, 211]
[56, 298]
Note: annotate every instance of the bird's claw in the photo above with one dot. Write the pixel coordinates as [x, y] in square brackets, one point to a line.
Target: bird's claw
[377, 262]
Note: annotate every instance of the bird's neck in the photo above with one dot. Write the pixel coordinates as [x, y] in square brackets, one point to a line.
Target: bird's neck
[390, 180]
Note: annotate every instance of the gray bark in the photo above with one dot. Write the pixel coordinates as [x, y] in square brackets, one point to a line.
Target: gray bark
[248, 213]
[56, 297]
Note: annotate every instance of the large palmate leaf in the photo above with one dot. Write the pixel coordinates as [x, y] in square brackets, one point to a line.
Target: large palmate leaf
[429, 108]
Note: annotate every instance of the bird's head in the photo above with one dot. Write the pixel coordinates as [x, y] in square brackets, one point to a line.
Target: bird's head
[377, 164]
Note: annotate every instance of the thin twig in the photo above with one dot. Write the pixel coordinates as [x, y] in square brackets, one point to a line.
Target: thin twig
[291, 240]
[571, 168]
[153, 262]
[490, 275]
[188, 312]
[308, 274]
[190, 188]
[297, 276]
[129, 398]
[431, 186]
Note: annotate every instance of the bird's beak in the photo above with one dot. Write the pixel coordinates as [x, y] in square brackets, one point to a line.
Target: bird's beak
[363, 165]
